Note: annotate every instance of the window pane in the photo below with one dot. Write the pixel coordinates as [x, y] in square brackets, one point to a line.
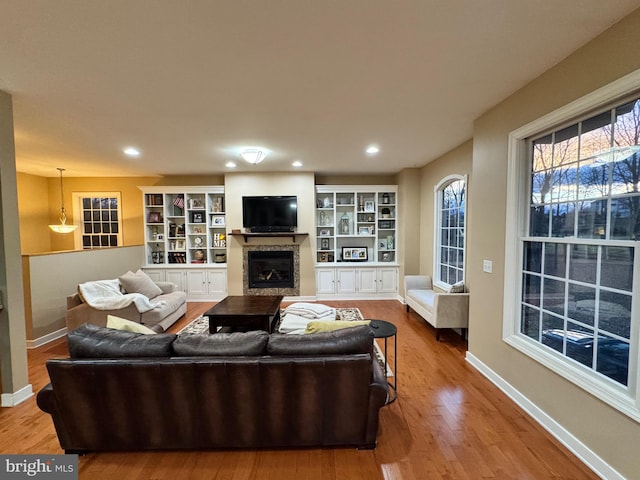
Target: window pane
[626, 128]
[553, 332]
[593, 180]
[541, 187]
[565, 149]
[592, 219]
[625, 218]
[553, 295]
[531, 322]
[581, 305]
[562, 224]
[580, 344]
[613, 358]
[596, 135]
[617, 268]
[583, 263]
[531, 289]
[555, 259]
[539, 221]
[533, 256]
[542, 153]
[614, 313]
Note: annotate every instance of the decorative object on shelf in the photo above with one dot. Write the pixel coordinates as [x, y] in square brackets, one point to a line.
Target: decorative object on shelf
[386, 257]
[198, 255]
[385, 198]
[323, 218]
[180, 230]
[386, 212]
[216, 207]
[360, 203]
[198, 241]
[160, 236]
[154, 217]
[324, 244]
[369, 218]
[154, 233]
[325, 232]
[364, 230]
[220, 257]
[369, 206]
[344, 224]
[62, 227]
[180, 245]
[217, 221]
[390, 242]
[178, 204]
[382, 244]
[195, 203]
[385, 224]
[355, 254]
[219, 240]
[323, 257]
[326, 203]
[197, 217]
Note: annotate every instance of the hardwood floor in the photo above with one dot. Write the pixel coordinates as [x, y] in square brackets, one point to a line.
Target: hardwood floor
[449, 422]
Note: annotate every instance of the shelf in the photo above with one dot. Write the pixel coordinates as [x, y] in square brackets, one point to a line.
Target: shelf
[247, 236]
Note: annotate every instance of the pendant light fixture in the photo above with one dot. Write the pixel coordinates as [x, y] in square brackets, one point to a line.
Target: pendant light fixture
[62, 227]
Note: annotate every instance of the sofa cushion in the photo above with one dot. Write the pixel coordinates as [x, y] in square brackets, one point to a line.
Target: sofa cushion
[425, 298]
[221, 344]
[91, 341]
[118, 323]
[346, 341]
[139, 282]
[317, 326]
[166, 304]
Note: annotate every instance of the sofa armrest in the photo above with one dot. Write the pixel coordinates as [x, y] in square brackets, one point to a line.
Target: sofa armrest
[167, 287]
[417, 282]
[451, 310]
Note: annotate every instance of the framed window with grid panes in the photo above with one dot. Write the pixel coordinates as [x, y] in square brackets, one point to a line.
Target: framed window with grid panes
[449, 252]
[573, 226]
[99, 218]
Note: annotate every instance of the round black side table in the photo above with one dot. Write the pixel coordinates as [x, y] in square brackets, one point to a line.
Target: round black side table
[386, 330]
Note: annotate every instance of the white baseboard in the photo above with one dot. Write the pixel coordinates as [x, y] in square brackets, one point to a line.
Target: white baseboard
[49, 337]
[13, 399]
[579, 449]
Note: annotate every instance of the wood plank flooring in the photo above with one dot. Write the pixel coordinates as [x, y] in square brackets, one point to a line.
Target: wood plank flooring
[449, 422]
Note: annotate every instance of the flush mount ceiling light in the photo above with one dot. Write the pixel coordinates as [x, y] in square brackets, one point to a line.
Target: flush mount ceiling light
[131, 152]
[254, 155]
[372, 149]
[62, 227]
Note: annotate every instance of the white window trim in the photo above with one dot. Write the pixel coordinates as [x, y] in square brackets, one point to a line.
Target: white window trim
[626, 400]
[438, 223]
[76, 200]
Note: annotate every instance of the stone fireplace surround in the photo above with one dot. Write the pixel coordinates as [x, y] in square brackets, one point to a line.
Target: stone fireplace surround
[295, 291]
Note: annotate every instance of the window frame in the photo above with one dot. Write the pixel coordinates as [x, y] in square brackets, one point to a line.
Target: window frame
[624, 399]
[437, 191]
[78, 210]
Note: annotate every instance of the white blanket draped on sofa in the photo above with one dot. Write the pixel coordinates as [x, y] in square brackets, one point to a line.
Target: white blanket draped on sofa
[106, 295]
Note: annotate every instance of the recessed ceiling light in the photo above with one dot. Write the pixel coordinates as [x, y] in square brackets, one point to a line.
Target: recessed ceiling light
[372, 149]
[230, 165]
[132, 152]
[297, 164]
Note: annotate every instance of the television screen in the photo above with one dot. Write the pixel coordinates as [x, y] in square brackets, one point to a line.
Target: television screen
[270, 213]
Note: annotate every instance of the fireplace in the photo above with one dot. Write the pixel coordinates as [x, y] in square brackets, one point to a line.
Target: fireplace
[270, 269]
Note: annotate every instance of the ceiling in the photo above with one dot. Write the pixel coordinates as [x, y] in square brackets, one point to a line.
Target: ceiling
[187, 82]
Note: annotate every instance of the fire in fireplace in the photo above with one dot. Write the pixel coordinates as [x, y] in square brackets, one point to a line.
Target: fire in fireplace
[270, 269]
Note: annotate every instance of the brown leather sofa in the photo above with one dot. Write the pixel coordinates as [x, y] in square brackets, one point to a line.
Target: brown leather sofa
[128, 391]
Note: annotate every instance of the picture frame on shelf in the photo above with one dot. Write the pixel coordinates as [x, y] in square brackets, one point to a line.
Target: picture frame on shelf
[364, 231]
[160, 237]
[324, 244]
[325, 232]
[323, 257]
[382, 243]
[180, 245]
[217, 221]
[369, 206]
[355, 254]
[154, 217]
[197, 217]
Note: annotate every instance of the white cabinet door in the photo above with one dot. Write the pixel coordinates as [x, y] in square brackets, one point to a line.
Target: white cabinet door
[325, 280]
[346, 280]
[177, 277]
[367, 280]
[196, 283]
[155, 274]
[217, 282]
[387, 280]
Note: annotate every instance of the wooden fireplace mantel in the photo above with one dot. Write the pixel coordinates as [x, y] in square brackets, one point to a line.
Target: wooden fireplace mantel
[248, 235]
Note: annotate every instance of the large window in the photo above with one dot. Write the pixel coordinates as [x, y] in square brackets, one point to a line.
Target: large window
[450, 238]
[99, 219]
[574, 228]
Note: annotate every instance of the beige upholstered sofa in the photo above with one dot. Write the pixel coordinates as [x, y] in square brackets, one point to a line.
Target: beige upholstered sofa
[441, 310]
[168, 304]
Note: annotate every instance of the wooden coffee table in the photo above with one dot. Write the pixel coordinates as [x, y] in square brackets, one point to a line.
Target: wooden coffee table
[247, 312]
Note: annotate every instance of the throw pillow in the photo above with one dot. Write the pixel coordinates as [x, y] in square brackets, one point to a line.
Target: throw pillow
[456, 288]
[118, 323]
[318, 326]
[222, 344]
[140, 282]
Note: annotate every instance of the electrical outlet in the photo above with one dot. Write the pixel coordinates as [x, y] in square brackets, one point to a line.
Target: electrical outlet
[487, 266]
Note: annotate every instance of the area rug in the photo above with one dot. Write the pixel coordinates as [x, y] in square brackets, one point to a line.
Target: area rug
[201, 325]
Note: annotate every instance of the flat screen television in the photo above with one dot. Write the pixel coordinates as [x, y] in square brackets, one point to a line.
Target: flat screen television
[270, 213]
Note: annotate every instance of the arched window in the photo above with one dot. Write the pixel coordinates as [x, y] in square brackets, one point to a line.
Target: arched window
[449, 255]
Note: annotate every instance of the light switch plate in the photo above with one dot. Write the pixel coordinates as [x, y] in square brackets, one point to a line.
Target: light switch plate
[487, 266]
